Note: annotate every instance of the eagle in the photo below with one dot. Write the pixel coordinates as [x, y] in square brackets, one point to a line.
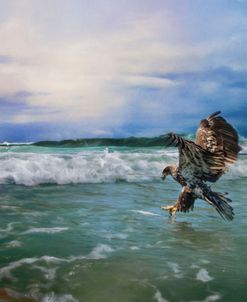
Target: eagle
[205, 160]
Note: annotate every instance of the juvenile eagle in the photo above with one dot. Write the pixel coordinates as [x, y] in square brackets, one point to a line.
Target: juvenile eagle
[204, 160]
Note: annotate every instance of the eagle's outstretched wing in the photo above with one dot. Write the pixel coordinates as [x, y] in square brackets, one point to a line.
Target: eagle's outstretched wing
[216, 145]
[196, 162]
[216, 134]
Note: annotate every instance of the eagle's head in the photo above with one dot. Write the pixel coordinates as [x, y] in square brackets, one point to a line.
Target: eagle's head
[166, 171]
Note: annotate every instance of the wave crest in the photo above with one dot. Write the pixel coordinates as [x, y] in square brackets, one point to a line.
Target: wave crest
[86, 167]
[32, 169]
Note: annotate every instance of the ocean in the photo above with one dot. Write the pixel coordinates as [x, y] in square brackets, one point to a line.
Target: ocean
[84, 224]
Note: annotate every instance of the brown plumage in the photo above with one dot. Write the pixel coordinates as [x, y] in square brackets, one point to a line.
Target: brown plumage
[216, 134]
[206, 159]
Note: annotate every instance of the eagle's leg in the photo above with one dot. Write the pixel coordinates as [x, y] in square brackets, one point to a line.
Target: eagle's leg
[184, 203]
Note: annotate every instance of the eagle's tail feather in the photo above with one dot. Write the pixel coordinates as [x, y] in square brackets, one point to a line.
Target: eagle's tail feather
[221, 203]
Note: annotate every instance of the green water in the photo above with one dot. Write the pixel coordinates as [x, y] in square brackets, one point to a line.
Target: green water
[110, 241]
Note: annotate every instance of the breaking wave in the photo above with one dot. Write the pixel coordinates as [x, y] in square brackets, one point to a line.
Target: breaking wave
[85, 167]
[99, 166]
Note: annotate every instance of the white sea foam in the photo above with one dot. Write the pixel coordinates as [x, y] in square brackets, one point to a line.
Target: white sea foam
[5, 272]
[45, 230]
[212, 298]
[175, 268]
[158, 297]
[9, 227]
[7, 207]
[243, 147]
[146, 213]
[58, 298]
[203, 275]
[117, 236]
[237, 170]
[14, 243]
[92, 167]
[204, 261]
[195, 266]
[100, 251]
[134, 248]
[84, 167]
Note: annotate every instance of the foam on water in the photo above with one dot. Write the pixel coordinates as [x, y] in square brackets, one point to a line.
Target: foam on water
[9, 227]
[5, 272]
[145, 213]
[12, 295]
[14, 243]
[58, 298]
[100, 251]
[237, 170]
[84, 167]
[45, 230]
[203, 275]
[7, 207]
[212, 298]
[175, 268]
[158, 297]
[117, 236]
[93, 167]
[134, 248]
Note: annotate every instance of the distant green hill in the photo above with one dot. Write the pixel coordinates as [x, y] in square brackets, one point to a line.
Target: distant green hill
[98, 142]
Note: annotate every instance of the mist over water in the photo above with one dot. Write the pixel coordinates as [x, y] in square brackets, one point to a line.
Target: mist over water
[85, 224]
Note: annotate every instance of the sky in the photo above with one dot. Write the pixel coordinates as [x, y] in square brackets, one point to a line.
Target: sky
[119, 68]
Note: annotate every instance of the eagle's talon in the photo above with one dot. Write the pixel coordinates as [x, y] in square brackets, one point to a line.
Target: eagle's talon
[171, 209]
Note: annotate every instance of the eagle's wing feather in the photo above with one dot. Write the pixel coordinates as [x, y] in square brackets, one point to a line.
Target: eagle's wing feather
[216, 134]
[196, 162]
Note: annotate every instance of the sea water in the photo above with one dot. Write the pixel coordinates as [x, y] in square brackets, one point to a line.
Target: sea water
[85, 224]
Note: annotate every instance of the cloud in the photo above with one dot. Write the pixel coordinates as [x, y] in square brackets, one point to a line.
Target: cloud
[76, 82]
[115, 69]
[89, 75]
